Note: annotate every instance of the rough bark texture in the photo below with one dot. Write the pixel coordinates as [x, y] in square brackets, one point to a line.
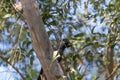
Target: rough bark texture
[110, 51]
[40, 40]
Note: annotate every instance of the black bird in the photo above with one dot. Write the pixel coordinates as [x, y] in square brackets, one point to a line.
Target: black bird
[64, 44]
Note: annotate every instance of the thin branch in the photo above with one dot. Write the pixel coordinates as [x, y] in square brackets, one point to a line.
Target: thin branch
[13, 67]
[114, 71]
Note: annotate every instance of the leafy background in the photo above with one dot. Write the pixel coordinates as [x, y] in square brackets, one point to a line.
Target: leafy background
[90, 25]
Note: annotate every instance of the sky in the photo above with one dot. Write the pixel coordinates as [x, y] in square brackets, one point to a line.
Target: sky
[8, 73]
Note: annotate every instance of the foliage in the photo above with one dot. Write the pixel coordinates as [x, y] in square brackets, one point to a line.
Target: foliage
[90, 25]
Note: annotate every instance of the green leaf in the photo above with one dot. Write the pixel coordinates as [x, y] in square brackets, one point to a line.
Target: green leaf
[28, 43]
[79, 35]
[7, 16]
[101, 21]
[72, 76]
[94, 77]
[92, 31]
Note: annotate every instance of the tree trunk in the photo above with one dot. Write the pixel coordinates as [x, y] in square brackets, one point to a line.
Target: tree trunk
[110, 52]
[40, 40]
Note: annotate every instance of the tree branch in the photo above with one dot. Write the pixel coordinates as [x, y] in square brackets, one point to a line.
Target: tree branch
[110, 61]
[13, 67]
[114, 71]
[40, 40]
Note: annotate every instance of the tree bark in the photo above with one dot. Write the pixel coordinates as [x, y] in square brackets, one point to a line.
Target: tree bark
[40, 40]
[110, 51]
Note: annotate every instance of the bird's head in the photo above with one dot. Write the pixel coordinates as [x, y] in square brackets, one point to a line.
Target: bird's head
[67, 44]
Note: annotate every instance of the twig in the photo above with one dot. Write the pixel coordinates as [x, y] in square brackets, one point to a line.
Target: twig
[114, 71]
[13, 67]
